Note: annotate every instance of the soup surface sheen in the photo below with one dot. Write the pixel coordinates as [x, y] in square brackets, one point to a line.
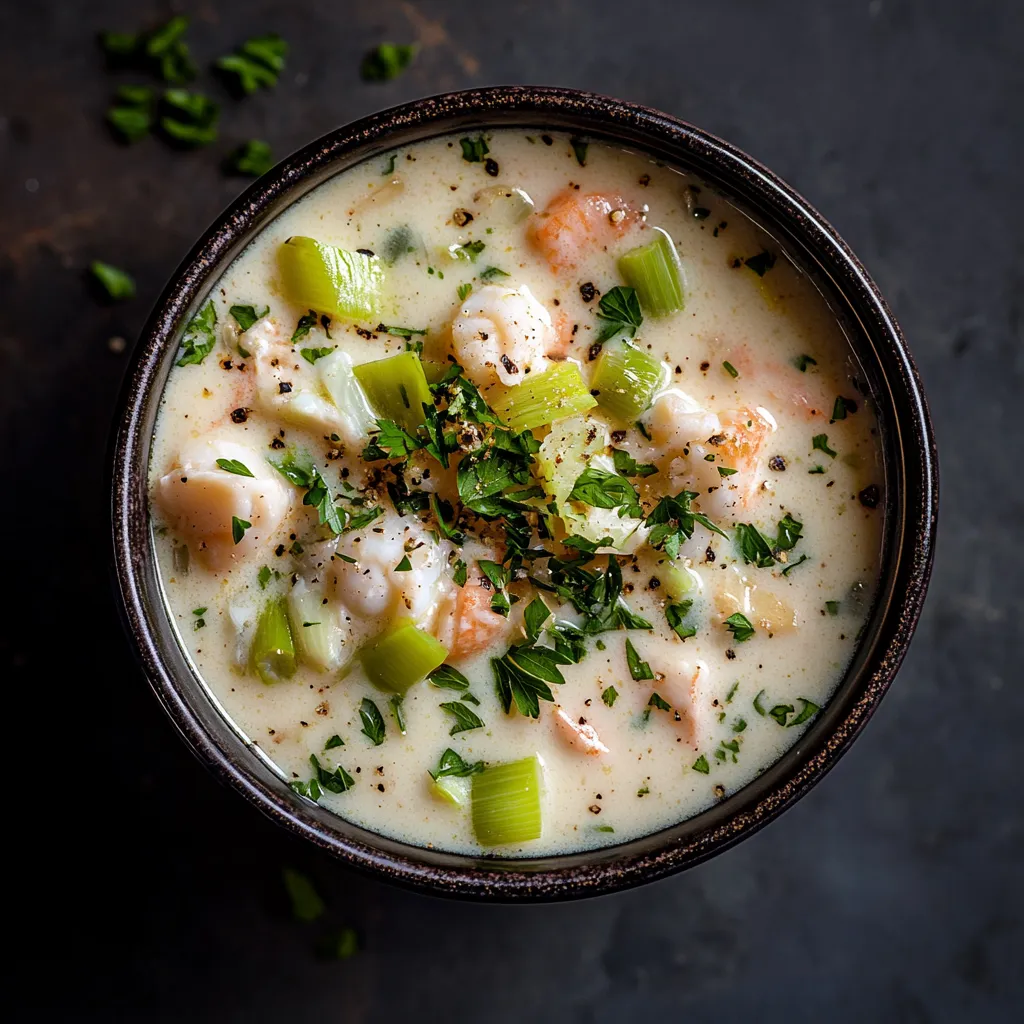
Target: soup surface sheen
[295, 532]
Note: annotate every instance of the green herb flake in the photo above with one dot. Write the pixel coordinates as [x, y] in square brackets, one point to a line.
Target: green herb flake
[820, 443]
[758, 706]
[396, 703]
[199, 337]
[761, 263]
[189, 118]
[809, 710]
[792, 565]
[474, 150]
[638, 668]
[454, 765]
[626, 465]
[305, 900]
[334, 741]
[842, 407]
[306, 323]
[373, 722]
[492, 273]
[814, 470]
[730, 369]
[643, 791]
[238, 528]
[740, 627]
[463, 291]
[802, 362]
[263, 576]
[387, 61]
[701, 765]
[466, 719]
[602, 828]
[117, 284]
[832, 607]
[234, 466]
[246, 316]
[781, 712]
[340, 945]
[674, 614]
[404, 565]
[252, 159]
[469, 251]
[619, 309]
[609, 696]
[724, 471]
[579, 149]
[311, 355]
[200, 622]
[257, 64]
[448, 678]
[657, 701]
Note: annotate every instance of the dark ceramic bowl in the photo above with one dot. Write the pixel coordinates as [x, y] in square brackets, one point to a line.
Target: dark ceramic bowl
[910, 488]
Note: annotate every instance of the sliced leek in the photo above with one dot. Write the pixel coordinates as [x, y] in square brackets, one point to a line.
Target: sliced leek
[566, 452]
[543, 398]
[653, 270]
[339, 381]
[315, 627]
[506, 803]
[626, 379]
[330, 280]
[396, 388]
[273, 649]
[452, 790]
[401, 657]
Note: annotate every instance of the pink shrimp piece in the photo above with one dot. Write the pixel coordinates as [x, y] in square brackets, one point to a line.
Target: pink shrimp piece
[467, 625]
[578, 734]
[562, 345]
[574, 224]
[810, 393]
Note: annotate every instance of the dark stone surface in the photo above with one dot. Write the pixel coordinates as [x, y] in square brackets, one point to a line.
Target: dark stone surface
[140, 890]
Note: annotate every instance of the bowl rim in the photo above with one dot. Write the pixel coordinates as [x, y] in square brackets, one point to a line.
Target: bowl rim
[911, 489]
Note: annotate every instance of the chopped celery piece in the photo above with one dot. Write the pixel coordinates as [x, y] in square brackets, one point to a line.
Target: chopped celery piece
[273, 649]
[339, 381]
[653, 270]
[626, 380]
[543, 398]
[451, 789]
[506, 802]
[397, 388]
[401, 656]
[331, 280]
[566, 451]
[315, 627]
[679, 580]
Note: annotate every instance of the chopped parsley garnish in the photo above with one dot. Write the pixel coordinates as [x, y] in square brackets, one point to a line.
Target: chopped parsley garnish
[304, 474]
[463, 291]
[256, 64]
[816, 469]
[200, 622]
[761, 263]
[334, 741]
[246, 316]
[163, 51]
[809, 710]
[820, 442]
[619, 308]
[659, 702]
[790, 531]
[131, 116]
[387, 61]
[491, 273]
[602, 828]
[802, 362]
[199, 338]
[730, 369]
[396, 703]
[474, 150]
[469, 251]
[253, 157]
[448, 678]
[726, 471]
[306, 323]
[753, 546]
[832, 607]
[338, 781]
[638, 668]
[792, 565]
[609, 695]
[389, 167]
[234, 466]
[579, 148]
[373, 721]
[400, 332]
[305, 900]
[740, 627]
[404, 565]
[452, 764]
[117, 284]
[626, 465]
[263, 576]
[466, 719]
[499, 577]
[675, 613]
[460, 574]
[601, 489]
[673, 523]
[534, 617]
[238, 528]
[523, 675]
[842, 407]
[311, 355]
[701, 765]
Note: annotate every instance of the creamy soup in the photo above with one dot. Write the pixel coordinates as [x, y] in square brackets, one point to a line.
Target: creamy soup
[517, 494]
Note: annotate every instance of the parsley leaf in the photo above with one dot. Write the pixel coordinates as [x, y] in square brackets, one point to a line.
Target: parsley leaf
[740, 626]
[311, 355]
[579, 148]
[400, 332]
[701, 765]
[620, 311]
[189, 118]
[638, 668]
[387, 61]
[469, 251]
[730, 369]
[115, 282]
[673, 523]
[601, 489]
[610, 695]
[334, 741]
[404, 565]
[452, 764]
[199, 338]
[263, 576]
[253, 158]
[234, 466]
[809, 710]
[802, 362]
[522, 675]
[392, 442]
[674, 614]
[761, 263]
[131, 116]
[499, 577]
[534, 617]
[628, 466]
[466, 719]
[792, 565]
[790, 531]
[338, 781]
[306, 323]
[842, 407]
[832, 607]
[474, 150]
[657, 701]
[256, 64]
[463, 291]
[753, 546]
[396, 701]
[448, 678]
[373, 721]
[305, 900]
[238, 528]
[491, 273]
[820, 442]
[246, 316]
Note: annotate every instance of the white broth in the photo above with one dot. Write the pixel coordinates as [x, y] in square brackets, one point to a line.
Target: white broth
[717, 463]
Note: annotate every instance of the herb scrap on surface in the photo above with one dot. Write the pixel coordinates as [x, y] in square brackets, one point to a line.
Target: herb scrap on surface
[387, 61]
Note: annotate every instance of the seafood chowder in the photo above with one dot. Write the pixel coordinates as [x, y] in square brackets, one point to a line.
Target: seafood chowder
[517, 494]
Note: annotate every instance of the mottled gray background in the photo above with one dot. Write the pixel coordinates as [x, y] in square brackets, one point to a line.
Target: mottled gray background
[141, 890]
